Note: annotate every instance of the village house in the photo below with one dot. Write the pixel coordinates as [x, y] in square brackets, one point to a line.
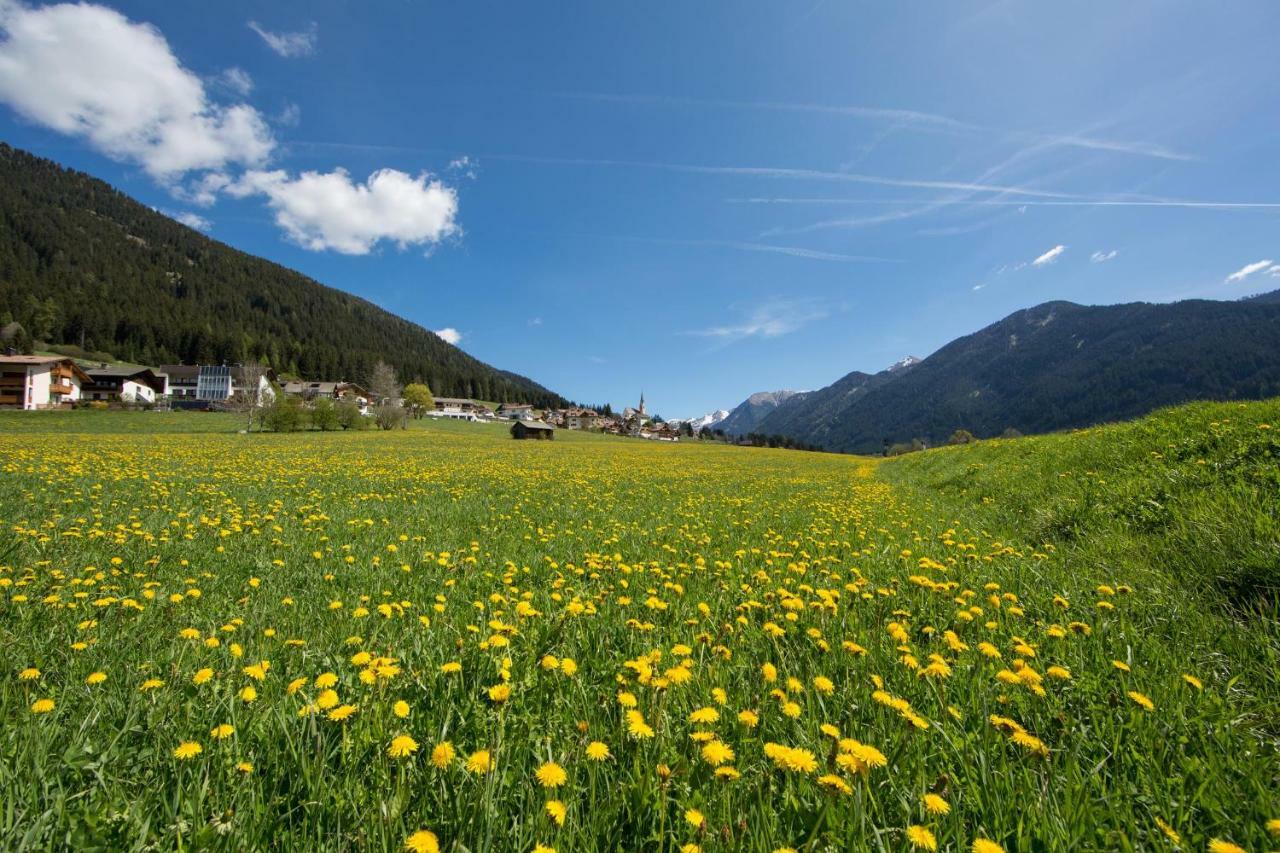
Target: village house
[39, 382]
[533, 430]
[576, 418]
[516, 411]
[124, 384]
[213, 383]
[457, 405]
[337, 391]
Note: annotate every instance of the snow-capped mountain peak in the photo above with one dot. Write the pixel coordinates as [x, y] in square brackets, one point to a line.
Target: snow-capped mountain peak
[906, 362]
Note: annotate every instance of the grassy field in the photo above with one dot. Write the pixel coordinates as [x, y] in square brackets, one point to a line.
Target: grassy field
[445, 639]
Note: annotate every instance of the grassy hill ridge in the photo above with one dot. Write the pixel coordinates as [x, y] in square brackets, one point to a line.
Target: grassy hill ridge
[82, 263]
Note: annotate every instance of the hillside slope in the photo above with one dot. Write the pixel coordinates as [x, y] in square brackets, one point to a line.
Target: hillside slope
[747, 415]
[82, 263]
[1050, 367]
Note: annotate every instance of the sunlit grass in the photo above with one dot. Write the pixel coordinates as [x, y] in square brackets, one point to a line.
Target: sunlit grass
[624, 645]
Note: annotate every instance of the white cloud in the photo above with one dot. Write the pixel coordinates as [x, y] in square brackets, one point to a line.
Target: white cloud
[290, 115]
[1101, 257]
[979, 286]
[288, 45]
[88, 71]
[1049, 256]
[449, 335]
[193, 220]
[329, 211]
[770, 319]
[237, 80]
[1248, 270]
[1274, 271]
[535, 321]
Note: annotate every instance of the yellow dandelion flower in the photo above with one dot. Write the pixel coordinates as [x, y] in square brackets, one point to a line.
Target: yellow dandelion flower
[422, 841]
[29, 674]
[342, 713]
[985, 845]
[42, 706]
[1142, 700]
[442, 754]
[402, 746]
[935, 804]
[480, 762]
[715, 753]
[694, 817]
[1193, 681]
[557, 812]
[400, 709]
[96, 678]
[202, 676]
[187, 749]
[244, 767]
[1219, 845]
[921, 838]
[597, 751]
[551, 775]
[222, 732]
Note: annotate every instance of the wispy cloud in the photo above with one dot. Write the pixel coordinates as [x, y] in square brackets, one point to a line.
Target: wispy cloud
[770, 319]
[1049, 256]
[900, 118]
[1248, 270]
[1101, 257]
[290, 45]
[535, 321]
[449, 335]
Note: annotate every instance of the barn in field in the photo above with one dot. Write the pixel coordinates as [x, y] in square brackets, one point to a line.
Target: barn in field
[533, 429]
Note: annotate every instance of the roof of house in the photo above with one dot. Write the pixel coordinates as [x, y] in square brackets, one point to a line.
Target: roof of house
[516, 406]
[42, 360]
[178, 372]
[447, 400]
[532, 425]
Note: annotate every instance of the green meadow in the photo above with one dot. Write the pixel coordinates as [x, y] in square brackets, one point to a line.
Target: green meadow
[443, 639]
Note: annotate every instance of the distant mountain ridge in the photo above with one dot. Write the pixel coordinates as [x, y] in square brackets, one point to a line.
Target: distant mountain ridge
[1053, 366]
[746, 416]
[82, 263]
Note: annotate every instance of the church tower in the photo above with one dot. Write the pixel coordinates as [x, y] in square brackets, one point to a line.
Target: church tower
[641, 409]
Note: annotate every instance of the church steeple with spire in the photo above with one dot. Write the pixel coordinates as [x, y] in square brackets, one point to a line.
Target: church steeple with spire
[641, 409]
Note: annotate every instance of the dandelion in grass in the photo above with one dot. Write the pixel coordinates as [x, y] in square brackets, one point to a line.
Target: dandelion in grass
[921, 838]
[716, 752]
[1121, 665]
[96, 678]
[400, 709]
[935, 805]
[1219, 845]
[694, 817]
[222, 732]
[29, 674]
[402, 746]
[442, 754]
[551, 775]
[557, 811]
[186, 750]
[150, 684]
[480, 762]
[834, 783]
[342, 713]
[1273, 827]
[42, 706]
[985, 845]
[1193, 681]
[422, 841]
[1142, 700]
[244, 767]
[249, 695]
[543, 848]
[597, 750]
[324, 680]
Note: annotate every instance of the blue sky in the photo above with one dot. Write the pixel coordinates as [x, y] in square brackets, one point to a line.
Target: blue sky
[697, 200]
